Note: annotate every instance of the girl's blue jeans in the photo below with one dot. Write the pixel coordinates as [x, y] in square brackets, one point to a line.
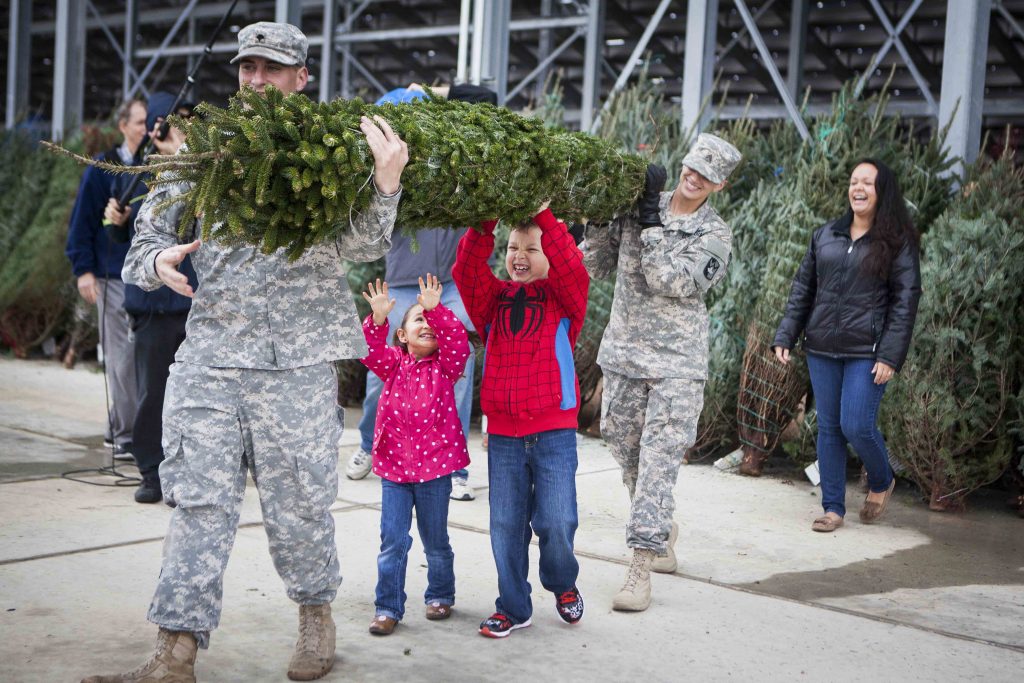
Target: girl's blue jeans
[847, 399]
[532, 490]
[430, 499]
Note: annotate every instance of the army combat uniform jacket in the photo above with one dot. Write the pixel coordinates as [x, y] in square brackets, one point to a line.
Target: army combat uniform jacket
[262, 311]
[659, 324]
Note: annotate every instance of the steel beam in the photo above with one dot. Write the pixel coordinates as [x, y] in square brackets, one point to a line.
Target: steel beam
[328, 59]
[154, 16]
[698, 62]
[462, 60]
[128, 71]
[769, 64]
[998, 6]
[163, 46]
[907, 59]
[288, 12]
[797, 43]
[68, 68]
[963, 76]
[544, 64]
[19, 56]
[911, 109]
[634, 58]
[544, 44]
[452, 30]
[876, 61]
[591, 71]
[131, 16]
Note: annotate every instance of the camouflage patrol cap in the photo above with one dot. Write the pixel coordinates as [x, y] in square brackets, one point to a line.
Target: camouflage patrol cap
[281, 43]
[712, 157]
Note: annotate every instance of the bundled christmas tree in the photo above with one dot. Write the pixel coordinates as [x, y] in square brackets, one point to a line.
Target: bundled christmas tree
[36, 290]
[284, 171]
[950, 415]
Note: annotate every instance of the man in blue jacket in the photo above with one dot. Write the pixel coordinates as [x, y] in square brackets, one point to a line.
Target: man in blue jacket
[97, 263]
[157, 317]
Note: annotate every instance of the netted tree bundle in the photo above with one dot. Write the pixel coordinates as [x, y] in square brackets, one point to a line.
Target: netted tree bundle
[951, 415]
[284, 171]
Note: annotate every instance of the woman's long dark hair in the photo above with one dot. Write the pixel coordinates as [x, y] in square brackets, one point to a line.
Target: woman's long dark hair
[892, 227]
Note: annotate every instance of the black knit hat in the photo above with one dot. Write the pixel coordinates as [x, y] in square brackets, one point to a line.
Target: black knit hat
[466, 92]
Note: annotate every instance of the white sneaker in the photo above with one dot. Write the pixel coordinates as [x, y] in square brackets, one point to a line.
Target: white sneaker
[359, 465]
[461, 489]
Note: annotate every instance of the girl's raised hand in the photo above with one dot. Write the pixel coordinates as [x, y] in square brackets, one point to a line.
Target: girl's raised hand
[430, 293]
[378, 299]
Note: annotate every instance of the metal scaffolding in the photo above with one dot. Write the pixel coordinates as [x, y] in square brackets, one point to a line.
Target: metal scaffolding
[758, 58]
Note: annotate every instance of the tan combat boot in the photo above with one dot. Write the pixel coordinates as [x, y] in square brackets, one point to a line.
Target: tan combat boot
[635, 595]
[172, 662]
[314, 651]
[667, 564]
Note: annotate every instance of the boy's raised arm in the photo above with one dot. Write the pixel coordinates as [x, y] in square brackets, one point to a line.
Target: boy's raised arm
[567, 272]
[477, 284]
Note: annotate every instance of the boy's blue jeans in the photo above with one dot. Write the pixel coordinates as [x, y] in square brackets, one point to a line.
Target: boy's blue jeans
[430, 498]
[404, 298]
[847, 400]
[532, 484]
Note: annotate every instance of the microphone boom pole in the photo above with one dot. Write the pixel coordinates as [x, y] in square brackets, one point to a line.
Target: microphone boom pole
[189, 82]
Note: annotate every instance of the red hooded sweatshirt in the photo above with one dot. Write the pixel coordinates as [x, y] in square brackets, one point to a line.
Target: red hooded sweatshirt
[529, 331]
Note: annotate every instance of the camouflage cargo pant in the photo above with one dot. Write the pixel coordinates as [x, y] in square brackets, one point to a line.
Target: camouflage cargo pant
[649, 424]
[283, 427]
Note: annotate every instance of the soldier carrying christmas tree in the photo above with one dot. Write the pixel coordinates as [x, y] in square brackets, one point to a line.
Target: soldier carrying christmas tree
[654, 353]
[254, 388]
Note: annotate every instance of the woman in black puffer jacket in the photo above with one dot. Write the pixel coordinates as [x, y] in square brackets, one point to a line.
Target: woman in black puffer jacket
[854, 300]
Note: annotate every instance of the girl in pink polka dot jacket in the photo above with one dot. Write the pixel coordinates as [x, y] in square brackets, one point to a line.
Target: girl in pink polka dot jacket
[417, 443]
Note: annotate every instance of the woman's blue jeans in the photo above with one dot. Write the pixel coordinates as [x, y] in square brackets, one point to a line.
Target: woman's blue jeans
[847, 399]
[430, 498]
[532, 490]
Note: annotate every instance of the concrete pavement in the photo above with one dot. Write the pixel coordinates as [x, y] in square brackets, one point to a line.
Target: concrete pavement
[758, 596]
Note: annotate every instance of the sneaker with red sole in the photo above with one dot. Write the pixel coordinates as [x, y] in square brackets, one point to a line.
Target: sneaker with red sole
[498, 626]
[570, 605]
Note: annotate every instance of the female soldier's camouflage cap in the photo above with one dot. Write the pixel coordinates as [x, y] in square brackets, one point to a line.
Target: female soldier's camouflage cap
[712, 157]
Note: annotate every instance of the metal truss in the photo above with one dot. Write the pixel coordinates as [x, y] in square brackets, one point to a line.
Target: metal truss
[761, 58]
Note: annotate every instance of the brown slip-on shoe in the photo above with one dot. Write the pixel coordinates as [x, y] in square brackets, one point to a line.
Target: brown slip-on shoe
[382, 625]
[438, 610]
[872, 511]
[826, 524]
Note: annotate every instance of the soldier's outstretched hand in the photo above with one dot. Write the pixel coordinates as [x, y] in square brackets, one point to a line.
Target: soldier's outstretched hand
[166, 265]
[430, 293]
[390, 153]
[377, 297]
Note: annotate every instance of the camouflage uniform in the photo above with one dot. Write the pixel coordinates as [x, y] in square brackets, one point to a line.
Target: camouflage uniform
[654, 353]
[253, 388]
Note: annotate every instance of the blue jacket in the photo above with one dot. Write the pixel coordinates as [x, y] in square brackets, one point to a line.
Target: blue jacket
[88, 248]
[436, 255]
[136, 300]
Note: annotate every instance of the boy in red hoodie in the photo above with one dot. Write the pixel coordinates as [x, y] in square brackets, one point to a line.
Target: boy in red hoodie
[530, 396]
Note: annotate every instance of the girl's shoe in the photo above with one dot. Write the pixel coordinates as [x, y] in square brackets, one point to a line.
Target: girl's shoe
[498, 626]
[382, 625]
[438, 610]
